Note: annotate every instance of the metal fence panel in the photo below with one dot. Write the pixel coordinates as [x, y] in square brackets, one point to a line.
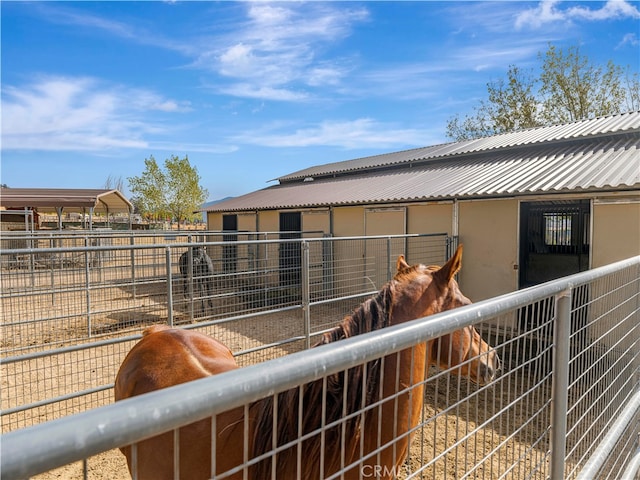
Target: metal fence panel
[509, 428]
[73, 305]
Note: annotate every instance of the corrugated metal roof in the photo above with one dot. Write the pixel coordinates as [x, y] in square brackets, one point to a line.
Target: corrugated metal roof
[614, 124]
[71, 199]
[603, 163]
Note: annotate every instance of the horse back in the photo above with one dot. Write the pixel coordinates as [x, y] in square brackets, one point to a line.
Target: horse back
[165, 357]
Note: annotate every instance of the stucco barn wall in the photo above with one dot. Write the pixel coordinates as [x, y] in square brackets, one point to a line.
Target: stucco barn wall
[430, 218]
[316, 221]
[214, 221]
[616, 231]
[489, 232]
[269, 221]
[348, 221]
[247, 222]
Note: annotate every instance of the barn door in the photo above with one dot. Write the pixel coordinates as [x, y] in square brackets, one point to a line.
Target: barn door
[381, 254]
[290, 253]
[554, 240]
[230, 251]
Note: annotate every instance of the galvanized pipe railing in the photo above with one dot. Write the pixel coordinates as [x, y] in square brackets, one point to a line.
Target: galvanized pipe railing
[560, 383]
[600, 456]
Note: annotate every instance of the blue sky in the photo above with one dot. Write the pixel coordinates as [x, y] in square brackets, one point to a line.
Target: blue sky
[253, 91]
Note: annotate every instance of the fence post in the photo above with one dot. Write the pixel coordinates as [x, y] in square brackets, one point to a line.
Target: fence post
[32, 259]
[560, 382]
[189, 284]
[169, 286]
[389, 268]
[53, 280]
[133, 266]
[87, 275]
[306, 300]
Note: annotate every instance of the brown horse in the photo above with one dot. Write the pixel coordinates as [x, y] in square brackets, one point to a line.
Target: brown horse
[367, 411]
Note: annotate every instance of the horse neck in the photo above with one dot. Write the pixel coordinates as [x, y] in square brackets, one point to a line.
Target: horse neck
[371, 315]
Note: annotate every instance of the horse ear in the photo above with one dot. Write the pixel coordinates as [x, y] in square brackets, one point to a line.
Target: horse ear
[449, 269]
[401, 264]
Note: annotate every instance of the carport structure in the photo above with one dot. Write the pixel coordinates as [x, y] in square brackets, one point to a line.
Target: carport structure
[65, 200]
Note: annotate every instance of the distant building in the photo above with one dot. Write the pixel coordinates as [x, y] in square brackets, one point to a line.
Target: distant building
[84, 203]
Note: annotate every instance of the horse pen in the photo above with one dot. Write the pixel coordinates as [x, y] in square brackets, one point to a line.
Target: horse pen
[566, 402]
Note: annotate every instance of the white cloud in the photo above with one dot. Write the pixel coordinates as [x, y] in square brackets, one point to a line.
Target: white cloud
[612, 9]
[322, 76]
[80, 114]
[250, 90]
[432, 79]
[237, 61]
[144, 100]
[630, 39]
[276, 53]
[71, 16]
[545, 12]
[360, 133]
[193, 147]
[549, 11]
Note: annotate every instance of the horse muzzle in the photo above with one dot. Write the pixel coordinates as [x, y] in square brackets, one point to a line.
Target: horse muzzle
[489, 367]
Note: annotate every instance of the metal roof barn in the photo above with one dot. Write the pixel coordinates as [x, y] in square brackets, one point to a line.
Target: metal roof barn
[593, 155]
[529, 206]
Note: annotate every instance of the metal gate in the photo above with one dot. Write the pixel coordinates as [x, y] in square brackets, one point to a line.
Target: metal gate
[290, 253]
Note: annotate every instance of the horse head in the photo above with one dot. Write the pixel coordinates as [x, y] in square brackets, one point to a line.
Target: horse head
[420, 291]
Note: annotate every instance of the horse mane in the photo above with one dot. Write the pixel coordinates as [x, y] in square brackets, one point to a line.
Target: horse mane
[371, 315]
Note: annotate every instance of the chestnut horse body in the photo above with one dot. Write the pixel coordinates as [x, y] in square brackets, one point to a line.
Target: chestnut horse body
[394, 385]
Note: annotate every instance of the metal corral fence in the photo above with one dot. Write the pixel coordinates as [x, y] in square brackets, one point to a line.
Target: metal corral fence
[71, 312]
[566, 405]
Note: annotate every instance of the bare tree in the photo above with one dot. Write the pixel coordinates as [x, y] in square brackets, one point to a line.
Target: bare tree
[113, 183]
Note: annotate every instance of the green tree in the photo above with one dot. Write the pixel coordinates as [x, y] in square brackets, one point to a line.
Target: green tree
[569, 88]
[185, 193]
[174, 191]
[148, 190]
[511, 105]
[574, 89]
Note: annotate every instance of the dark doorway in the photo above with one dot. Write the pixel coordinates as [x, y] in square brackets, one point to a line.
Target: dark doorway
[554, 240]
[230, 251]
[290, 254]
